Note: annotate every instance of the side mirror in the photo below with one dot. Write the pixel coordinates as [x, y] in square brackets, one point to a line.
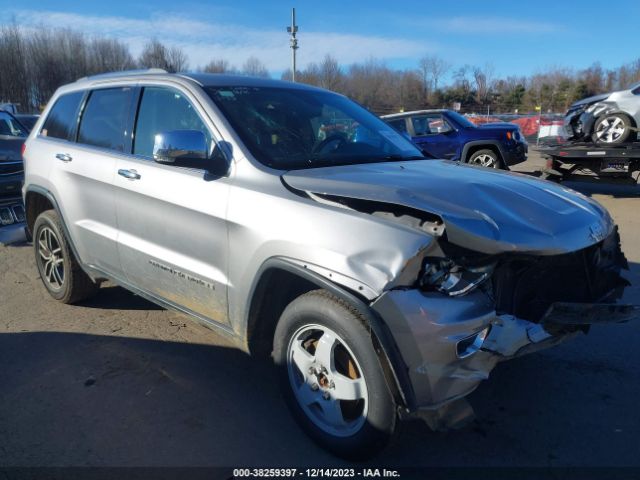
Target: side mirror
[179, 147]
[188, 148]
[445, 128]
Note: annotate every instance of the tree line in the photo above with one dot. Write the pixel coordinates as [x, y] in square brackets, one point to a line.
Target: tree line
[35, 62]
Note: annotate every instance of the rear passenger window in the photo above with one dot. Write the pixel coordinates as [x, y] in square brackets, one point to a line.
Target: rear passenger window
[400, 124]
[164, 110]
[62, 119]
[104, 119]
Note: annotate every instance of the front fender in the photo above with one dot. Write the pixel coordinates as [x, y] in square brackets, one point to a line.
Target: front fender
[384, 343]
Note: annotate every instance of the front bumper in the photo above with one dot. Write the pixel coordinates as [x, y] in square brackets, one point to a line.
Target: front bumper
[579, 124]
[516, 154]
[428, 329]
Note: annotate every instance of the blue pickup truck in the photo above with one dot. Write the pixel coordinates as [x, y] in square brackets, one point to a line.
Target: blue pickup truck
[448, 135]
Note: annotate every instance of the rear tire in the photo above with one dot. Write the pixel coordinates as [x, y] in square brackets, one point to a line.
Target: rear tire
[485, 158]
[612, 129]
[59, 270]
[331, 376]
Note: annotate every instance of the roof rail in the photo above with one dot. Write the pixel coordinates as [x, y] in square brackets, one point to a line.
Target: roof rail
[124, 73]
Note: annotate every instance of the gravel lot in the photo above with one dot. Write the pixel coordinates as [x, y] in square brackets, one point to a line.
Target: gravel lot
[119, 381]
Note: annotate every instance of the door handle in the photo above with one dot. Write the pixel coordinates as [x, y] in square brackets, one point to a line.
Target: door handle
[65, 157]
[130, 174]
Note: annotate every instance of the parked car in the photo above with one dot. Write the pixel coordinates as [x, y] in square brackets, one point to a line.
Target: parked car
[379, 282]
[448, 135]
[607, 119]
[12, 138]
[28, 121]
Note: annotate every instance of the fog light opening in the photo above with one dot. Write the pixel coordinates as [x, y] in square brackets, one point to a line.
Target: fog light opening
[470, 345]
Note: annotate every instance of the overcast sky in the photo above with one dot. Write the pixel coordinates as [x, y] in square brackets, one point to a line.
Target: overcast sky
[516, 37]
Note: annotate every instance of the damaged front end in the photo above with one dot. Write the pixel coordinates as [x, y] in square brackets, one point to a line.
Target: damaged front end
[473, 310]
[581, 116]
[515, 265]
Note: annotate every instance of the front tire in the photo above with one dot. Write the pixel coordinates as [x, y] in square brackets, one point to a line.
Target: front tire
[59, 270]
[331, 376]
[612, 129]
[485, 158]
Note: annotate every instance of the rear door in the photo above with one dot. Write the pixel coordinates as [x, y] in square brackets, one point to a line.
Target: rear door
[83, 170]
[432, 133]
[172, 220]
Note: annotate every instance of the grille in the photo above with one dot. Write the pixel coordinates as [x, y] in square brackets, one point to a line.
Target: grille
[9, 168]
[527, 287]
[10, 214]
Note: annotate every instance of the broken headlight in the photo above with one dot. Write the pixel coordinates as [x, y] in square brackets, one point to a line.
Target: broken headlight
[453, 280]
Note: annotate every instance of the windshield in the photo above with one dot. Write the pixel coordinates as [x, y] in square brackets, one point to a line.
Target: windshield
[10, 127]
[290, 129]
[461, 120]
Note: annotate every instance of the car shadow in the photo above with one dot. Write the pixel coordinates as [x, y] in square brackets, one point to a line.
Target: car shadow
[117, 298]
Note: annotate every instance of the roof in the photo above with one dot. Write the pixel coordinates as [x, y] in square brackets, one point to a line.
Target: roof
[414, 112]
[203, 79]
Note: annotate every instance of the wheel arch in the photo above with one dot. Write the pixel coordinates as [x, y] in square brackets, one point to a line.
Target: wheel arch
[37, 200]
[472, 147]
[293, 280]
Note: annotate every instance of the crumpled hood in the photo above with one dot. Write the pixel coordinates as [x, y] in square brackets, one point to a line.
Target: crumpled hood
[589, 100]
[485, 210]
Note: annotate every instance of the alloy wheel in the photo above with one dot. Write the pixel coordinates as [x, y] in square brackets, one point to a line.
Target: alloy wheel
[51, 258]
[327, 380]
[485, 160]
[610, 129]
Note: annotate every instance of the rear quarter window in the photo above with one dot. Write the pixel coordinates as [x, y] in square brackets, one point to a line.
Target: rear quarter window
[62, 118]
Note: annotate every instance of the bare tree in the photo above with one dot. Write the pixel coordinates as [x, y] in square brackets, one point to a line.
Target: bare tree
[13, 67]
[156, 55]
[437, 69]
[218, 66]
[424, 67]
[255, 68]
[108, 55]
[329, 73]
[177, 60]
[483, 78]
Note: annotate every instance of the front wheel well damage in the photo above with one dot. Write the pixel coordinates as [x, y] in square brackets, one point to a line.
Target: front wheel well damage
[275, 290]
[278, 287]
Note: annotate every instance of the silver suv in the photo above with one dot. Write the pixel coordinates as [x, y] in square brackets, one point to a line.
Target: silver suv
[304, 227]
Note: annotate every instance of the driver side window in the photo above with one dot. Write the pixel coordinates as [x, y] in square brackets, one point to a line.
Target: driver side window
[163, 110]
[430, 125]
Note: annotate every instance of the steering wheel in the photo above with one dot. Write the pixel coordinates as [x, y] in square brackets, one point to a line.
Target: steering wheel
[339, 139]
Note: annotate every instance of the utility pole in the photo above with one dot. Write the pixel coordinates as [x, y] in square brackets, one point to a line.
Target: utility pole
[293, 42]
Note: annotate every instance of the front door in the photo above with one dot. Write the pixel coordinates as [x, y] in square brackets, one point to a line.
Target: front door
[433, 134]
[172, 220]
